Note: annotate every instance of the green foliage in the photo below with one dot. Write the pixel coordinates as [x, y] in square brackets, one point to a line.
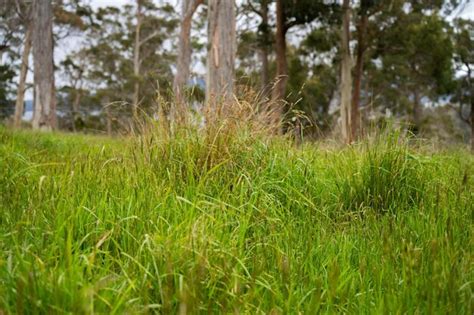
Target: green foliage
[415, 52]
[105, 62]
[6, 78]
[302, 12]
[225, 222]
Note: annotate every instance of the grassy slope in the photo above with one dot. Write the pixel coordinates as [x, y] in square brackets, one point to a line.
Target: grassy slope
[96, 225]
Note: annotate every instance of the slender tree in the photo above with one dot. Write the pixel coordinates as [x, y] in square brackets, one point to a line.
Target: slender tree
[281, 61]
[261, 9]
[44, 116]
[25, 16]
[188, 9]
[221, 51]
[346, 76]
[288, 15]
[136, 56]
[20, 99]
[363, 20]
[464, 61]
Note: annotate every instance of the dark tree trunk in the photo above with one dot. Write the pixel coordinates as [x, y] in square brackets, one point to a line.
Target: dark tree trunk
[472, 119]
[346, 75]
[189, 7]
[45, 104]
[416, 111]
[265, 71]
[279, 88]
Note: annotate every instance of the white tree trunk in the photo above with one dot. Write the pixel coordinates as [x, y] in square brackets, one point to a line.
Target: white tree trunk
[136, 59]
[221, 51]
[346, 76]
[44, 116]
[20, 99]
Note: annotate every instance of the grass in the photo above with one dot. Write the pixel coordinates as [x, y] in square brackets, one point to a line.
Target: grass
[224, 222]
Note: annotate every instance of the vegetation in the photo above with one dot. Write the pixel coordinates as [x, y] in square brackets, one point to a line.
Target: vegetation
[343, 64]
[263, 157]
[224, 220]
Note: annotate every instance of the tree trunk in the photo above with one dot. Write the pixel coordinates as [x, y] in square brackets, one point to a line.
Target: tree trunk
[279, 88]
[221, 52]
[108, 115]
[136, 59]
[472, 117]
[44, 116]
[265, 72]
[75, 108]
[188, 8]
[20, 99]
[359, 71]
[416, 111]
[346, 76]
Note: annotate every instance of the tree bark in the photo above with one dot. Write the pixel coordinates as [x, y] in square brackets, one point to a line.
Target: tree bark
[136, 59]
[279, 88]
[346, 76]
[44, 116]
[20, 99]
[188, 9]
[471, 89]
[108, 115]
[265, 72]
[359, 71]
[416, 111]
[221, 52]
[75, 107]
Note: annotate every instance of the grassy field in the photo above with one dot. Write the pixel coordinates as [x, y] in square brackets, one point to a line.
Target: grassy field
[233, 223]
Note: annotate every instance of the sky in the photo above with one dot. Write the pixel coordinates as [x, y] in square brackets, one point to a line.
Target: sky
[468, 11]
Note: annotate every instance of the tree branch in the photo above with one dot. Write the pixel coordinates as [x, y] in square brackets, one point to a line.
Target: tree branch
[149, 37]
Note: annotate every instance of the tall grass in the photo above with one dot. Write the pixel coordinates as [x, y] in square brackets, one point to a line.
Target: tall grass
[226, 220]
[387, 177]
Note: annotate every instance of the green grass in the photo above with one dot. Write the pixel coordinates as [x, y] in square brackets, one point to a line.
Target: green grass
[232, 223]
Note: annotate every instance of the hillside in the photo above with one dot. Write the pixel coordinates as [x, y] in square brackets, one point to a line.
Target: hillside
[232, 223]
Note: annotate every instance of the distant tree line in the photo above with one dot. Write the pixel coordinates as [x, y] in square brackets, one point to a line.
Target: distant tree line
[337, 63]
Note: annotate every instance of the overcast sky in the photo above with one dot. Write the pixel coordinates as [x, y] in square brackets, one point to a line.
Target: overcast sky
[468, 11]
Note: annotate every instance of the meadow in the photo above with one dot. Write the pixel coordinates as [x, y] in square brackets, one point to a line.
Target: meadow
[231, 222]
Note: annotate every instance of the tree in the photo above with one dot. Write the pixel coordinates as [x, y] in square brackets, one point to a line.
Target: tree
[264, 42]
[183, 62]
[136, 56]
[44, 116]
[289, 14]
[11, 38]
[221, 51]
[280, 46]
[119, 69]
[143, 35]
[346, 76]
[24, 11]
[464, 60]
[366, 9]
[74, 68]
[412, 59]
